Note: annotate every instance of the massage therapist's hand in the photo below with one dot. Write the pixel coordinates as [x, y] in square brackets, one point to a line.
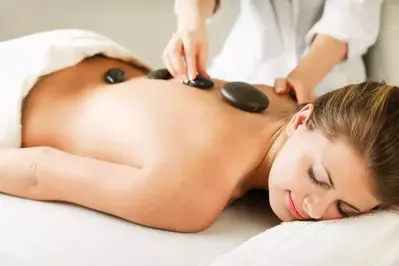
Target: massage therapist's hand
[295, 89]
[186, 53]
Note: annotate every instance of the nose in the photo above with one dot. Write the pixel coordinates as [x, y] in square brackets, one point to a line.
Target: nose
[316, 205]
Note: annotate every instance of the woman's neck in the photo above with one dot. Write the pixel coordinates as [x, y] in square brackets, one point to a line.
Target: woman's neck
[260, 177]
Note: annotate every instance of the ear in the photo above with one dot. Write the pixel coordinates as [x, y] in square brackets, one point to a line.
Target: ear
[299, 119]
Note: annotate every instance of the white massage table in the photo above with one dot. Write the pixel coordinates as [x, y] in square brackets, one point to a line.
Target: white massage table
[52, 234]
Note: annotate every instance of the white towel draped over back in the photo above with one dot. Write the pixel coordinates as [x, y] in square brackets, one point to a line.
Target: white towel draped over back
[24, 60]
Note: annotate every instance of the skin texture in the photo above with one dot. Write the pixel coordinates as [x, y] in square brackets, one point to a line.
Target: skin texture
[187, 153]
[166, 155]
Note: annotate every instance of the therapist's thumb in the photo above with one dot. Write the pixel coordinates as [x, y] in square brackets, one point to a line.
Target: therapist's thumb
[281, 86]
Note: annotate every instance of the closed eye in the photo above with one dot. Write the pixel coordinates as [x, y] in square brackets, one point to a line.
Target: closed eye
[314, 180]
[341, 211]
[346, 209]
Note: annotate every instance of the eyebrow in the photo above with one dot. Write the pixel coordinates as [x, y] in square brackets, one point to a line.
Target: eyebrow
[333, 187]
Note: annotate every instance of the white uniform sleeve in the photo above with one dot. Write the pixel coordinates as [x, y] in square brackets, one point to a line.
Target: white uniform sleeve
[356, 22]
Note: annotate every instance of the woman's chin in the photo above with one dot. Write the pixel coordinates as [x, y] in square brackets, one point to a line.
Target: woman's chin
[284, 217]
[281, 212]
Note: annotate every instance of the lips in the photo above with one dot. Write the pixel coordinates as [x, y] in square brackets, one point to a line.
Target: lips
[293, 209]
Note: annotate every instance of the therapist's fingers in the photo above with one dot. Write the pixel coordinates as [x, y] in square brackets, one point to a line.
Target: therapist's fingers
[167, 62]
[190, 56]
[281, 86]
[176, 56]
[301, 93]
[169, 66]
[202, 56]
[173, 58]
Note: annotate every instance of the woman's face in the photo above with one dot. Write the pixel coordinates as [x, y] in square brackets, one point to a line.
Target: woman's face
[314, 178]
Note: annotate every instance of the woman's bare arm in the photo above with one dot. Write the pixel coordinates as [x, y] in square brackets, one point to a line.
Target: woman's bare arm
[17, 167]
[137, 195]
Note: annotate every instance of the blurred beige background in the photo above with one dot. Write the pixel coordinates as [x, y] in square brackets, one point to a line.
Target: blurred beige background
[144, 26]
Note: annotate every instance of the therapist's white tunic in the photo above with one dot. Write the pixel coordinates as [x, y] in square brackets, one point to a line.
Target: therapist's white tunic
[270, 37]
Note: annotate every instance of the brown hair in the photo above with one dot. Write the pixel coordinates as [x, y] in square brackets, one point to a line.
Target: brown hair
[366, 114]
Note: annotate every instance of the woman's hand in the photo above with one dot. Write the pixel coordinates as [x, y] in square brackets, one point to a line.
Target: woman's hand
[295, 89]
[186, 53]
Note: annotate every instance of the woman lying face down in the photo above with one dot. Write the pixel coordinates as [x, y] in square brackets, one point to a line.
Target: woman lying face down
[166, 155]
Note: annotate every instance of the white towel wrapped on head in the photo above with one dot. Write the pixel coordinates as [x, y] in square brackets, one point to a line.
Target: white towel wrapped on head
[24, 60]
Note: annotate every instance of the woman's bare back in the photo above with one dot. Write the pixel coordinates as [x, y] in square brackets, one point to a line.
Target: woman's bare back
[150, 124]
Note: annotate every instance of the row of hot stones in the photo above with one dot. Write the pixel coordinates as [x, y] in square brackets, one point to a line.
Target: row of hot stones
[241, 95]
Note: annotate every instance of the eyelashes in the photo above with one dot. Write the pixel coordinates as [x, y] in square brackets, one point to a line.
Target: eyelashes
[314, 180]
[341, 211]
[323, 185]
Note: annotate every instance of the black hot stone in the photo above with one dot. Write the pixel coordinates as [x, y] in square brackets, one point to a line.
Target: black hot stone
[162, 73]
[115, 75]
[245, 97]
[200, 83]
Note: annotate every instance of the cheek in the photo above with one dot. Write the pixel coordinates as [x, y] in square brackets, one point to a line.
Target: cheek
[288, 169]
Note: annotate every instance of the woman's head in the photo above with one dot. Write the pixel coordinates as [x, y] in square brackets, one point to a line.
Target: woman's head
[341, 156]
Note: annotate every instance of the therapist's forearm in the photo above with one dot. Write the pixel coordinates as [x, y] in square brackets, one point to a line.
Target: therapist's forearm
[192, 13]
[324, 54]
